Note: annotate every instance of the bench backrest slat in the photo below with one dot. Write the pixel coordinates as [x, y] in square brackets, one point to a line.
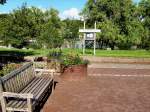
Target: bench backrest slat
[18, 79]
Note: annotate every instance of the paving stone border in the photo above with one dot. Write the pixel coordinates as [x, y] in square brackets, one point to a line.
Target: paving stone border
[117, 60]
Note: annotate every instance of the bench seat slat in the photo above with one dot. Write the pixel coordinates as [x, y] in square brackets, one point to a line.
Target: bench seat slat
[28, 89]
[16, 109]
[43, 89]
[36, 87]
[32, 84]
[22, 82]
[35, 90]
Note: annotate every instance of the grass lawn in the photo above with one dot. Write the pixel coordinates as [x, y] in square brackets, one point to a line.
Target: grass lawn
[89, 52]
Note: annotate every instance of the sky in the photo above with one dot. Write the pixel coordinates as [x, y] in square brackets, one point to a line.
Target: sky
[67, 8]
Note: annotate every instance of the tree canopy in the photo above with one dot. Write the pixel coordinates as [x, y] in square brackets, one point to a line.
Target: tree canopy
[123, 23]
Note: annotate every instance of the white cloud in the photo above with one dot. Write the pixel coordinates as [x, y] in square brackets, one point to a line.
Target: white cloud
[43, 9]
[3, 12]
[72, 13]
[39, 7]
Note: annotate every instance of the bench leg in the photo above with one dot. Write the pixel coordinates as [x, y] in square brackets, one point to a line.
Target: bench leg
[29, 103]
[3, 104]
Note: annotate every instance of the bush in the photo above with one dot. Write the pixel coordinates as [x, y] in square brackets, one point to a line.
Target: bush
[55, 54]
[8, 68]
[64, 60]
[72, 59]
[34, 46]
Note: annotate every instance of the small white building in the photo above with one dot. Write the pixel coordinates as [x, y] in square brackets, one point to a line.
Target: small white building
[89, 35]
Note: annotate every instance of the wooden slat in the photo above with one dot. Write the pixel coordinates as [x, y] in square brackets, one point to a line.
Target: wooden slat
[16, 95]
[29, 89]
[45, 70]
[31, 85]
[14, 104]
[42, 90]
[17, 82]
[39, 89]
[3, 101]
[23, 84]
[16, 72]
[17, 109]
[32, 89]
[29, 103]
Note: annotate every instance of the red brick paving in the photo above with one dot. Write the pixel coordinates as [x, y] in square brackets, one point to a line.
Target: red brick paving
[118, 71]
[101, 94]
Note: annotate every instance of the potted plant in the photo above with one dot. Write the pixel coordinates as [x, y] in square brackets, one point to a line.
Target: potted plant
[73, 67]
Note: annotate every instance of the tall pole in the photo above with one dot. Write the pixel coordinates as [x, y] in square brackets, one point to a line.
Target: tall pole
[94, 40]
[84, 40]
[95, 25]
[94, 43]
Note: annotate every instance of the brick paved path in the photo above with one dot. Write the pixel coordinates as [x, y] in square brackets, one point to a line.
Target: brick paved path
[108, 69]
[118, 71]
[101, 94]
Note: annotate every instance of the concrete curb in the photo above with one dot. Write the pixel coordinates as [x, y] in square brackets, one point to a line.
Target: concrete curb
[95, 59]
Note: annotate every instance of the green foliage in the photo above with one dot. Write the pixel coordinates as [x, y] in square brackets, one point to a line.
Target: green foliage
[71, 29]
[66, 58]
[144, 9]
[51, 34]
[123, 23]
[8, 68]
[4, 23]
[89, 52]
[72, 59]
[55, 54]
[34, 46]
[25, 24]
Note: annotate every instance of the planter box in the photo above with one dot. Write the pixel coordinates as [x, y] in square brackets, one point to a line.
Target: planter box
[75, 72]
[54, 64]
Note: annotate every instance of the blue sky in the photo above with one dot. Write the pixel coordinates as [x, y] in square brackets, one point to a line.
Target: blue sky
[61, 5]
[65, 7]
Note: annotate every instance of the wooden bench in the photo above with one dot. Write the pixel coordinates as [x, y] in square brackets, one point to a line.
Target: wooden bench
[22, 90]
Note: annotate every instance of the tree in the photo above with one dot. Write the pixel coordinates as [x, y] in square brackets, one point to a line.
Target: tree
[71, 29]
[19, 28]
[51, 34]
[109, 35]
[4, 23]
[144, 9]
[22, 25]
[118, 20]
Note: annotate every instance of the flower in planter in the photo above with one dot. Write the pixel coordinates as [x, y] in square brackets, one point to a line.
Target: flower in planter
[69, 60]
[73, 59]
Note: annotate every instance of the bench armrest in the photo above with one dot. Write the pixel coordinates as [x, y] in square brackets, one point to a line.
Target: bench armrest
[45, 70]
[52, 71]
[17, 95]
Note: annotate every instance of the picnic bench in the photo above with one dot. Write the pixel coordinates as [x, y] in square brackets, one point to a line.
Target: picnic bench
[22, 90]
